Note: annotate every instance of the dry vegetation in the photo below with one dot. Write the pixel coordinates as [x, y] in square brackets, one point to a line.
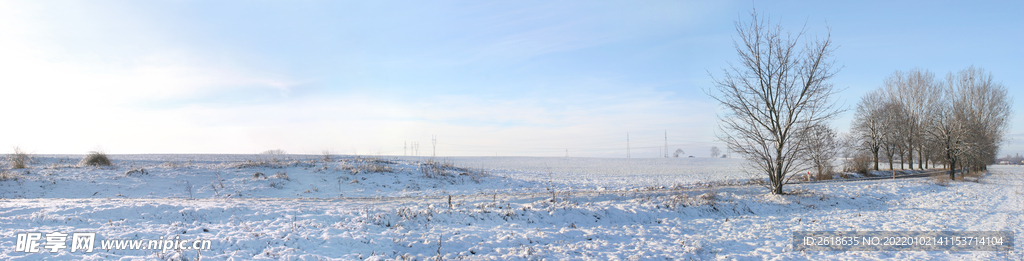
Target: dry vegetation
[135, 172]
[439, 169]
[6, 175]
[96, 158]
[859, 163]
[19, 159]
[941, 179]
[174, 164]
[358, 165]
[260, 163]
[687, 199]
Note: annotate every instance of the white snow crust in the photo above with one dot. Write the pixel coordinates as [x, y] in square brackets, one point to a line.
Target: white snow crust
[483, 208]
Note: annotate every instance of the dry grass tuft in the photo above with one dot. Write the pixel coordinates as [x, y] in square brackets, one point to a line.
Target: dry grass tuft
[941, 179]
[435, 169]
[6, 175]
[974, 176]
[368, 165]
[282, 175]
[685, 199]
[96, 158]
[273, 163]
[174, 164]
[136, 172]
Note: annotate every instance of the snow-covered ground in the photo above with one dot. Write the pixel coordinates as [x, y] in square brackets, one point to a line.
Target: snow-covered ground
[486, 208]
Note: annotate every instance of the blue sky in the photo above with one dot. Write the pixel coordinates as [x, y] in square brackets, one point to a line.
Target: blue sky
[487, 78]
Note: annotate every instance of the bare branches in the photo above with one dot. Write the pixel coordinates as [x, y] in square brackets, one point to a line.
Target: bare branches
[823, 147]
[959, 122]
[775, 95]
[978, 117]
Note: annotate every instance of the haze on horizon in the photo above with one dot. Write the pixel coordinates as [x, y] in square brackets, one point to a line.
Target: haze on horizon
[507, 78]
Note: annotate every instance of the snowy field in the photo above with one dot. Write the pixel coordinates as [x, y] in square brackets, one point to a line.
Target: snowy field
[478, 208]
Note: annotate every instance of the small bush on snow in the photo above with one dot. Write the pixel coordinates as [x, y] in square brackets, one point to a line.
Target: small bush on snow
[19, 159]
[96, 158]
[860, 163]
[136, 172]
[281, 175]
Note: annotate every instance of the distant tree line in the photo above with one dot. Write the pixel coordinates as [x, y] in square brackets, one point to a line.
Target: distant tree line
[1014, 160]
[959, 122]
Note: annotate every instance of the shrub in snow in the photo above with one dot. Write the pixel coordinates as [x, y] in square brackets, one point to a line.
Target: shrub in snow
[8, 175]
[96, 158]
[860, 163]
[281, 175]
[358, 165]
[259, 175]
[941, 180]
[19, 159]
[136, 172]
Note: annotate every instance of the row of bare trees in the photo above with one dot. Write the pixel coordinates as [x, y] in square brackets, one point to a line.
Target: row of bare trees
[959, 122]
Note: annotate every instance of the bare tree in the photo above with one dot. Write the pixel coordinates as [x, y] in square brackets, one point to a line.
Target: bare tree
[868, 125]
[715, 151]
[776, 93]
[823, 147]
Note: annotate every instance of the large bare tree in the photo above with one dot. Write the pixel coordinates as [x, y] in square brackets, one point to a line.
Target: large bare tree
[777, 91]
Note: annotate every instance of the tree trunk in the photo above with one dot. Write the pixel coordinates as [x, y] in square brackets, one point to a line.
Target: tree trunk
[890, 163]
[920, 158]
[903, 159]
[876, 159]
[952, 167]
